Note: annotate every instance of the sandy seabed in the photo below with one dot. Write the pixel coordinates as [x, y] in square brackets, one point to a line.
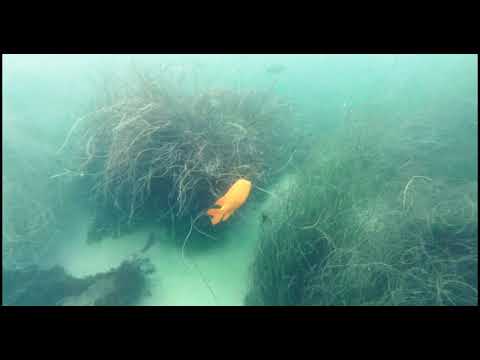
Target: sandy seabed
[175, 281]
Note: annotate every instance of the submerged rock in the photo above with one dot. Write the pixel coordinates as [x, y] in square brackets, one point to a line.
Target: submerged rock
[33, 286]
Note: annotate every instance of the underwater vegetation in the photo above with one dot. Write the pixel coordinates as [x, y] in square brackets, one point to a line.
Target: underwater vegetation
[152, 148]
[30, 209]
[368, 195]
[383, 214]
[32, 286]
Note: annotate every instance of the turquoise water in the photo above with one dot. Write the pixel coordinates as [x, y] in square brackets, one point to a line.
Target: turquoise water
[43, 96]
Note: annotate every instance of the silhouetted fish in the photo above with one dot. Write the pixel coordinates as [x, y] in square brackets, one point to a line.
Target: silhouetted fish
[275, 69]
[150, 242]
[266, 220]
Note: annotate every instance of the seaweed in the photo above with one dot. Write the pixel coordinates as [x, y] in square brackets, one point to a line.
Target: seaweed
[371, 221]
[31, 205]
[150, 150]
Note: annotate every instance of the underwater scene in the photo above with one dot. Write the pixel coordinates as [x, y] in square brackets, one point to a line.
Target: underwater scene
[239, 179]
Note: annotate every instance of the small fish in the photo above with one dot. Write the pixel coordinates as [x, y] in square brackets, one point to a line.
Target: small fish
[150, 242]
[231, 201]
[275, 69]
[265, 218]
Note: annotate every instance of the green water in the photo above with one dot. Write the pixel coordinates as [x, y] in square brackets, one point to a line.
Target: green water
[43, 95]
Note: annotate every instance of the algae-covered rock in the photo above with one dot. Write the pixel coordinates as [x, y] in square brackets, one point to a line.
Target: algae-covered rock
[33, 286]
